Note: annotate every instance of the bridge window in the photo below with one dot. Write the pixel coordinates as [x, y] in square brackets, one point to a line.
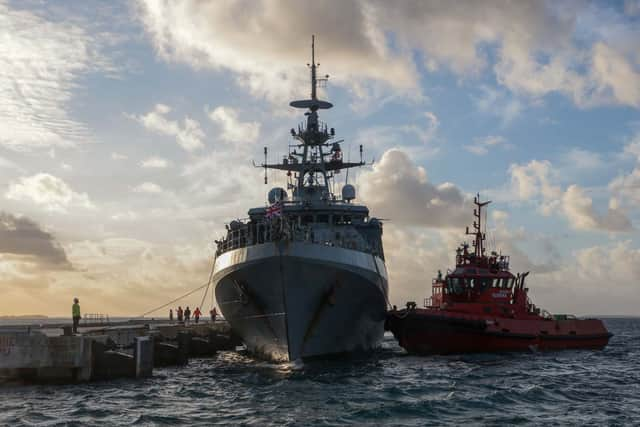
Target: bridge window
[307, 219]
[323, 219]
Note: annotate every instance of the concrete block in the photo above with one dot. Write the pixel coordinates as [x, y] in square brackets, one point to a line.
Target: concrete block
[200, 347]
[110, 364]
[144, 357]
[32, 356]
[167, 354]
[123, 336]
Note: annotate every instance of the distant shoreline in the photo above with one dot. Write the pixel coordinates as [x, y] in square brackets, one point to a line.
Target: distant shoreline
[24, 316]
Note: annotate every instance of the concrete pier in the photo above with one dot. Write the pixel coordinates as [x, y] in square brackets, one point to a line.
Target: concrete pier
[131, 351]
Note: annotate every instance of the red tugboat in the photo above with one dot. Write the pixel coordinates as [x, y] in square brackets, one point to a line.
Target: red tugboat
[482, 307]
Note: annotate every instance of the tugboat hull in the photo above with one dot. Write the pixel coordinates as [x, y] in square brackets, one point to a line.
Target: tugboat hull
[438, 332]
[293, 300]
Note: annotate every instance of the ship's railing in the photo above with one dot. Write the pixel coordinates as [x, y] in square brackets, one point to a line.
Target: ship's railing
[240, 235]
[95, 318]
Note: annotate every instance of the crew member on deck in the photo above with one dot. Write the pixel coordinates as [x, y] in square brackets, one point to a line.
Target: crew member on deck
[179, 313]
[187, 314]
[75, 314]
[196, 314]
[213, 314]
[171, 315]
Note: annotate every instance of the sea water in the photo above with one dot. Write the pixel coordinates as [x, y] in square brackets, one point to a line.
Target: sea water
[387, 387]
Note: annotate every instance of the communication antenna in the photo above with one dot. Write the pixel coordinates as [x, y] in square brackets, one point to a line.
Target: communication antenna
[346, 181]
[265, 165]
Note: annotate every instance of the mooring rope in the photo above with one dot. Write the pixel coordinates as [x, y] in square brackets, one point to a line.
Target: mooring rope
[176, 300]
[188, 293]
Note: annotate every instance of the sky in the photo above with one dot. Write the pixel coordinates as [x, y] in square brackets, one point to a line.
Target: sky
[128, 131]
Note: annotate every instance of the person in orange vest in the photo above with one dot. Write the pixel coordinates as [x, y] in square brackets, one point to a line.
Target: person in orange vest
[213, 314]
[196, 314]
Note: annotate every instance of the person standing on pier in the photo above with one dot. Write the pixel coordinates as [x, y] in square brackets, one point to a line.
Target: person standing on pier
[187, 314]
[196, 314]
[75, 314]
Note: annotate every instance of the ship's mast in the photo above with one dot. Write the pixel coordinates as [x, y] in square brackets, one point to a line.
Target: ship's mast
[479, 235]
[313, 67]
[319, 157]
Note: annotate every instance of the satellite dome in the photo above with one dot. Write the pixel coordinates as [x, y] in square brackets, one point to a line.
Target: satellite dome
[277, 194]
[348, 192]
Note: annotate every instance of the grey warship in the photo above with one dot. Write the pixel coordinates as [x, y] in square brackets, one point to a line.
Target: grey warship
[305, 276]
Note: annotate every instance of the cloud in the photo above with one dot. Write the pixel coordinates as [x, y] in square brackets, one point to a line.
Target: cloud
[535, 181]
[155, 163]
[398, 189]
[532, 48]
[8, 164]
[580, 159]
[615, 76]
[578, 208]
[267, 58]
[50, 192]
[499, 103]
[232, 129]
[580, 278]
[189, 135]
[118, 156]
[481, 146]
[41, 63]
[419, 139]
[413, 256]
[116, 275]
[23, 237]
[124, 216]
[147, 187]
[627, 186]
[632, 7]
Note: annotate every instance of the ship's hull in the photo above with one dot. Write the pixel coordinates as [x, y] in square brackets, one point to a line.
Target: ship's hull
[290, 300]
[440, 332]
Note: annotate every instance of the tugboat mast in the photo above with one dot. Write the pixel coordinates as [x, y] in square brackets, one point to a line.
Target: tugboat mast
[479, 235]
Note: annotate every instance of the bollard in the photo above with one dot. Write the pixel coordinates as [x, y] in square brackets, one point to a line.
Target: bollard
[144, 357]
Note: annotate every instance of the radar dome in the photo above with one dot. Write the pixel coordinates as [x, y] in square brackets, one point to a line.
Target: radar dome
[348, 192]
[277, 194]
